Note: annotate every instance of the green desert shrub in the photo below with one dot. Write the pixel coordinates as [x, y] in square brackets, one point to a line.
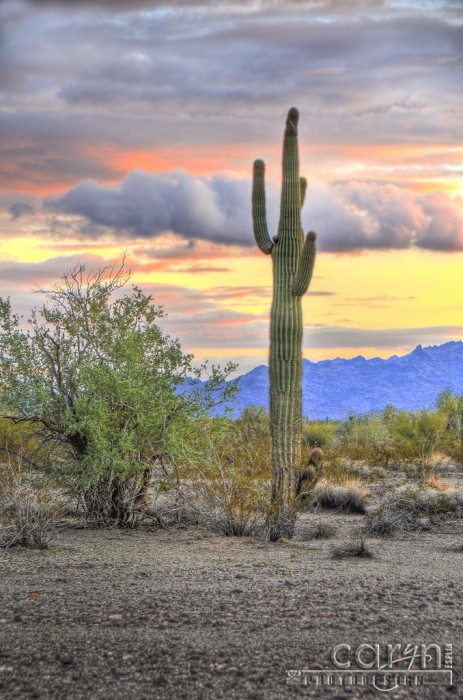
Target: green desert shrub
[365, 439]
[358, 435]
[222, 476]
[417, 436]
[97, 377]
[253, 424]
[22, 441]
[450, 405]
[318, 433]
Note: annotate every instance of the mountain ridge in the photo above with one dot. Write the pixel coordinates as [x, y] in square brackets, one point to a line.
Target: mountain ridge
[336, 388]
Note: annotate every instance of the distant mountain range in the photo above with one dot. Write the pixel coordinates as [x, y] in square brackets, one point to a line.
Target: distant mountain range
[335, 388]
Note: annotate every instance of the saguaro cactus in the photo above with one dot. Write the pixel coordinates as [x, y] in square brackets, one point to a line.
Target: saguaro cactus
[293, 262]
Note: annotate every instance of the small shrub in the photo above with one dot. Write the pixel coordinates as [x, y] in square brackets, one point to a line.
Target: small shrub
[365, 471]
[355, 547]
[417, 436]
[318, 434]
[254, 424]
[428, 501]
[411, 508]
[318, 531]
[230, 503]
[222, 475]
[28, 509]
[365, 438]
[455, 453]
[349, 497]
[335, 467]
[391, 516]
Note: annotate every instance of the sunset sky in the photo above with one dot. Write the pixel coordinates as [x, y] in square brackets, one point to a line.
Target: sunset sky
[132, 125]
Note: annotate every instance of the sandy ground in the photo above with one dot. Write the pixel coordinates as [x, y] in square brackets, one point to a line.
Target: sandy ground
[184, 613]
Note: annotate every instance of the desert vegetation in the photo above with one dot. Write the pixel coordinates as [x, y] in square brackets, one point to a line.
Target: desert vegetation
[90, 403]
[397, 471]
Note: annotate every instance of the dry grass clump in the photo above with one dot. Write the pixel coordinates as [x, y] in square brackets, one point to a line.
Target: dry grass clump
[440, 460]
[350, 496]
[318, 531]
[436, 483]
[413, 508]
[230, 503]
[393, 515]
[365, 472]
[438, 502]
[354, 547]
[29, 509]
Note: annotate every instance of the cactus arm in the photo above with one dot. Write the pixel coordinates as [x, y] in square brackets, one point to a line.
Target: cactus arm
[259, 218]
[303, 189]
[306, 264]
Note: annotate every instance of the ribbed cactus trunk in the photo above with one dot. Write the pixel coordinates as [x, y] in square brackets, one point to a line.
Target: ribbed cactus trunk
[293, 262]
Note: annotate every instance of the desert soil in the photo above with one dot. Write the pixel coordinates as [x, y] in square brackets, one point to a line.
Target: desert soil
[185, 613]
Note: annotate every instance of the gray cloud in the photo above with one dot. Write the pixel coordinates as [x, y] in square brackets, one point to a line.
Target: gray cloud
[18, 209]
[147, 205]
[122, 5]
[347, 217]
[445, 228]
[360, 215]
[188, 74]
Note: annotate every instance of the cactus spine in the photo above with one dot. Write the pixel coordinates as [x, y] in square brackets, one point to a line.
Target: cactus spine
[293, 261]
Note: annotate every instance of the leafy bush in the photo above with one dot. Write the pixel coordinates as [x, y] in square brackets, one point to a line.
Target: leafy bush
[318, 433]
[450, 405]
[254, 424]
[408, 440]
[359, 435]
[101, 381]
[417, 436]
[22, 441]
